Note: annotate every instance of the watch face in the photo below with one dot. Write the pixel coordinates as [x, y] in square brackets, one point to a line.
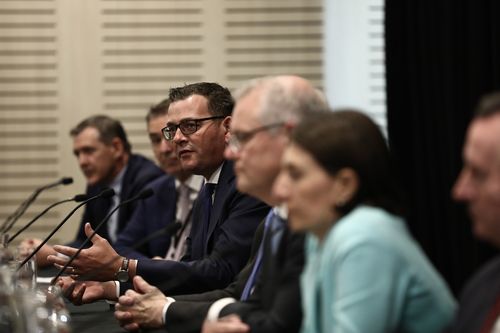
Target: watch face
[122, 276]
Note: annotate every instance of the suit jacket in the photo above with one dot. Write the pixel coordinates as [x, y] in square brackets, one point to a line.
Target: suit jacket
[478, 298]
[140, 171]
[212, 264]
[274, 305]
[151, 214]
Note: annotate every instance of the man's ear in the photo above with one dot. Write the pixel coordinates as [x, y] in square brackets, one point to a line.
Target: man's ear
[226, 123]
[347, 186]
[118, 147]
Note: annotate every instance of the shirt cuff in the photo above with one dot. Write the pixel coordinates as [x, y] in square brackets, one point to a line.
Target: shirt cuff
[117, 290]
[217, 306]
[170, 300]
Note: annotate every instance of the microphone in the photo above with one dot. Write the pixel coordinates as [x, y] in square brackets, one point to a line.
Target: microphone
[142, 195]
[11, 219]
[107, 193]
[77, 198]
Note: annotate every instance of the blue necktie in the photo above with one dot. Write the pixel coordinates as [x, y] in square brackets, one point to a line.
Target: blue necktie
[273, 228]
[206, 202]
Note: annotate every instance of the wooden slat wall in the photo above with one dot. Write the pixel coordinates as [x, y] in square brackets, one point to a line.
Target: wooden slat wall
[148, 47]
[376, 55]
[29, 105]
[273, 37]
[62, 60]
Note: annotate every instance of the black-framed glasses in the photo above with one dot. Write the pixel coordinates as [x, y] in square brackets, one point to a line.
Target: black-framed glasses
[187, 127]
[238, 139]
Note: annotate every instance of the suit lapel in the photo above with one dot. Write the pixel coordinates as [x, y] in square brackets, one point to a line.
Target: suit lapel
[221, 192]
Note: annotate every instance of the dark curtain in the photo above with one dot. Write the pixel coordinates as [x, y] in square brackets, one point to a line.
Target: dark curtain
[441, 56]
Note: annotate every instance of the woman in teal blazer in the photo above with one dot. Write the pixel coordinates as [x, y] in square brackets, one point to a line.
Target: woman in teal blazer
[364, 272]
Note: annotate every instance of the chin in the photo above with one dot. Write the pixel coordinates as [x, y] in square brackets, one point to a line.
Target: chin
[241, 184]
[293, 223]
[172, 170]
[188, 165]
[480, 233]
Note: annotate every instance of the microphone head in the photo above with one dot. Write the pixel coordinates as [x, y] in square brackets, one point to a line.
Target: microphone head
[66, 180]
[80, 197]
[145, 193]
[107, 193]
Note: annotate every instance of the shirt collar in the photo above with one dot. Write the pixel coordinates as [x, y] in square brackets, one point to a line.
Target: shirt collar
[281, 211]
[116, 184]
[194, 183]
[214, 178]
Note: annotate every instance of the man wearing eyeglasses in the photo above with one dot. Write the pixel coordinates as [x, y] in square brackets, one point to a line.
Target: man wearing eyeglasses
[198, 123]
[224, 220]
[267, 289]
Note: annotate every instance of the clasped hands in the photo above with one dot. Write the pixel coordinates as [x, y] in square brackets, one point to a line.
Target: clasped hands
[143, 308]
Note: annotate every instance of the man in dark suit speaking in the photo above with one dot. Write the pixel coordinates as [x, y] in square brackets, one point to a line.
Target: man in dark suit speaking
[224, 220]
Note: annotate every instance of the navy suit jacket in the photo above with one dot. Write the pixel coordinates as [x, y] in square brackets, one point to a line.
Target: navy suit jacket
[140, 171]
[214, 263]
[478, 298]
[151, 215]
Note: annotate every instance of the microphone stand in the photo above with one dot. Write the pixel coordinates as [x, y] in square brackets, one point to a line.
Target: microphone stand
[105, 193]
[144, 194]
[11, 219]
[77, 198]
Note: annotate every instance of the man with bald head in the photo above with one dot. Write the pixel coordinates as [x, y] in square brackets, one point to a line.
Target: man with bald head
[265, 296]
[478, 186]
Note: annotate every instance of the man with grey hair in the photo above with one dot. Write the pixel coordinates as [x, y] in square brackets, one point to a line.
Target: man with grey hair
[267, 289]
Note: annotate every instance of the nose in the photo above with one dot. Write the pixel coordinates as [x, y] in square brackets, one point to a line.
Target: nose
[178, 136]
[82, 159]
[462, 190]
[281, 189]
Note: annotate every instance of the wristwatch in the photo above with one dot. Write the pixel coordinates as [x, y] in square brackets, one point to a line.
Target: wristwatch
[122, 274]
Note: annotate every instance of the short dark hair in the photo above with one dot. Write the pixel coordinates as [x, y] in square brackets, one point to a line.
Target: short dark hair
[488, 105]
[107, 127]
[349, 139]
[158, 110]
[220, 101]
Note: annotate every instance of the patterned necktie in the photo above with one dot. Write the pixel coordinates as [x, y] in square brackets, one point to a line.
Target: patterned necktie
[183, 203]
[205, 198]
[177, 246]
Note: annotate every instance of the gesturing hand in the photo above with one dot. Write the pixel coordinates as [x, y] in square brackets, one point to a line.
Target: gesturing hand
[99, 262]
